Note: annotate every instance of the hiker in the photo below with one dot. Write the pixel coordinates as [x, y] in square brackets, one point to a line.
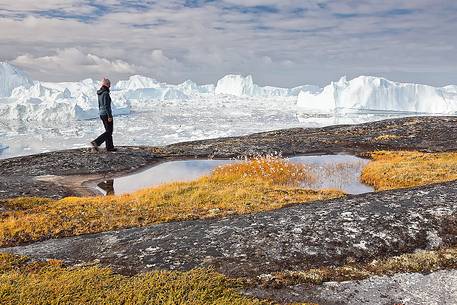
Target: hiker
[104, 108]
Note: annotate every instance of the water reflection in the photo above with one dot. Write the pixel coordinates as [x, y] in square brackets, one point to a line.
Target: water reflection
[331, 172]
[335, 172]
[107, 186]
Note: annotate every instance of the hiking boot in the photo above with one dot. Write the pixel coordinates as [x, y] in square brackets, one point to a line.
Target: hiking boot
[94, 146]
[111, 149]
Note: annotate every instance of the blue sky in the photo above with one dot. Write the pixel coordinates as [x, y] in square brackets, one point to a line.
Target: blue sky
[284, 43]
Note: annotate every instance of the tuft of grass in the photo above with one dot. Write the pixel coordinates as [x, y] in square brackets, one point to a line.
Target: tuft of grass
[269, 168]
[231, 189]
[403, 169]
[23, 282]
[421, 261]
[387, 137]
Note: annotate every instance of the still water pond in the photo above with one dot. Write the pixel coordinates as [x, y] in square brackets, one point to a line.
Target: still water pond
[331, 171]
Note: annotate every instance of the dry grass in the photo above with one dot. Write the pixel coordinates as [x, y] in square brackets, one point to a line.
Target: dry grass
[253, 186]
[402, 169]
[23, 282]
[270, 168]
[422, 261]
[23, 203]
[387, 137]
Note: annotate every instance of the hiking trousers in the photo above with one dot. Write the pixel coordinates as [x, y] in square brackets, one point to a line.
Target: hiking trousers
[107, 136]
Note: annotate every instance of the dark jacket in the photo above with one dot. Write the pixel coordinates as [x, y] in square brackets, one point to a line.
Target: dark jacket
[104, 102]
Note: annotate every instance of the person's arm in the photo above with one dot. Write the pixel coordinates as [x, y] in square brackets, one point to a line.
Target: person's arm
[107, 101]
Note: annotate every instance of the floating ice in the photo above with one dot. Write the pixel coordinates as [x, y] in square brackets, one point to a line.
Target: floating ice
[367, 93]
[56, 102]
[136, 82]
[10, 78]
[238, 85]
[23, 99]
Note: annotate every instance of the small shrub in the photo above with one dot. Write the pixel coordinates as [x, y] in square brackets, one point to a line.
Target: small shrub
[270, 168]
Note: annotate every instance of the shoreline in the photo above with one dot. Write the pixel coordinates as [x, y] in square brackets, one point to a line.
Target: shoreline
[73, 169]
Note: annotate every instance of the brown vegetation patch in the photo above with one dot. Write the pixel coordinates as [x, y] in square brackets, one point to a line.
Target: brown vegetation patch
[252, 186]
[387, 137]
[403, 169]
[421, 261]
[24, 282]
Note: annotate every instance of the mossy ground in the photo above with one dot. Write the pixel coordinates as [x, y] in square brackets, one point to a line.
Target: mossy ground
[402, 169]
[252, 186]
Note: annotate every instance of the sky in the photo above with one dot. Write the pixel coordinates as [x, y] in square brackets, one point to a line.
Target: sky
[280, 42]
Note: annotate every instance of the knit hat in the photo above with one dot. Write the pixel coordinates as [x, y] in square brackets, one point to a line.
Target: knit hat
[106, 82]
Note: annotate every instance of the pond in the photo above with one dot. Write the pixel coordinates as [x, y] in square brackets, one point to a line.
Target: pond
[331, 172]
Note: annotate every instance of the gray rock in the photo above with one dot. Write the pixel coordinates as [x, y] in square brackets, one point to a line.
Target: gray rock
[437, 288]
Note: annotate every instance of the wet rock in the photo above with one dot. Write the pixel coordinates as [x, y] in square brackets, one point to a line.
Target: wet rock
[22, 176]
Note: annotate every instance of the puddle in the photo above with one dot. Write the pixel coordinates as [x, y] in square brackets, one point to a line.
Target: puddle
[336, 172]
[331, 171]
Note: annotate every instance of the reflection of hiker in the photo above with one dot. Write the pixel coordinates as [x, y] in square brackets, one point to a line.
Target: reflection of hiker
[104, 107]
[107, 186]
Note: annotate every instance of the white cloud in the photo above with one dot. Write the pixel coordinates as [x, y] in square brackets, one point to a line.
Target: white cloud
[311, 41]
[73, 61]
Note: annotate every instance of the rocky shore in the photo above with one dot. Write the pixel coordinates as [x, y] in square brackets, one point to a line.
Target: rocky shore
[62, 170]
[358, 228]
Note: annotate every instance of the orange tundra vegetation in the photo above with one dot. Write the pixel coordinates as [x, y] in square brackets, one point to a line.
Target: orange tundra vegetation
[402, 169]
[254, 185]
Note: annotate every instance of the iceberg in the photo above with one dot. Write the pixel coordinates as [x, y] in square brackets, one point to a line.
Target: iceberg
[236, 85]
[11, 77]
[49, 102]
[21, 98]
[160, 94]
[136, 82]
[240, 86]
[191, 88]
[375, 94]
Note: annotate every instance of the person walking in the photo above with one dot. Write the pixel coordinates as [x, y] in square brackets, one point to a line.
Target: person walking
[104, 107]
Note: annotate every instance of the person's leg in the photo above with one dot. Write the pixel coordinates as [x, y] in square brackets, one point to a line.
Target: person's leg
[103, 137]
[109, 135]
